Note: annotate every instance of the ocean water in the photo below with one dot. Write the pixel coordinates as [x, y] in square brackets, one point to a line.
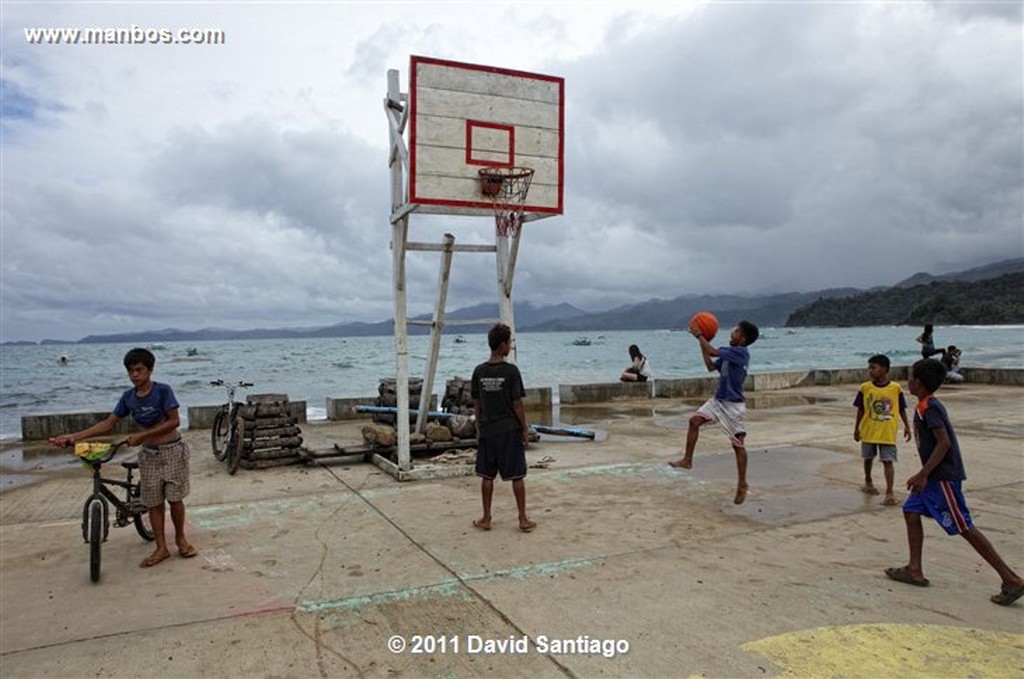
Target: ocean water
[33, 382]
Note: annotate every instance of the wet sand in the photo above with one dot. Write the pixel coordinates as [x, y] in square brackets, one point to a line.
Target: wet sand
[315, 570]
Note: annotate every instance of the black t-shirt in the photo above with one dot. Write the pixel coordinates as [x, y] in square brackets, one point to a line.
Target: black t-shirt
[497, 386]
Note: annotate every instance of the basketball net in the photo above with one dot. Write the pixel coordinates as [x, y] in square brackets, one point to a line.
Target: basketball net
[507, 188]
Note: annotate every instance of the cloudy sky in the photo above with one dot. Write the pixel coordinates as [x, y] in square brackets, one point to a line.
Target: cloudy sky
[723, 147]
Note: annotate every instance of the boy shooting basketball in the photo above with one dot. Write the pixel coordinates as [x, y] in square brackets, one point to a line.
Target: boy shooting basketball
[726, 407]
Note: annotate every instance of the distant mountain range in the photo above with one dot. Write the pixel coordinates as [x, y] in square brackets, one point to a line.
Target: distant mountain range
[989, 294]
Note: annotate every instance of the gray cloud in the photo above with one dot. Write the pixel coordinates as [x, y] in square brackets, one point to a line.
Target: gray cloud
[723, 148]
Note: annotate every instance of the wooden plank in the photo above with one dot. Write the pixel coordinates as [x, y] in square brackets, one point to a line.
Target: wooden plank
[489, 83]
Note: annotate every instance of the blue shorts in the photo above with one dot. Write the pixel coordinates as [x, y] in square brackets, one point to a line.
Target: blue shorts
[501, 453]
[943, 501]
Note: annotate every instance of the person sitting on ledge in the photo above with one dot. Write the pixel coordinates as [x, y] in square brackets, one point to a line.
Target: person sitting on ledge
[639, 370]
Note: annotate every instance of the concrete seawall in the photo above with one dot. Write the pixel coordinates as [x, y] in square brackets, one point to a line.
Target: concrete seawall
[35, 427]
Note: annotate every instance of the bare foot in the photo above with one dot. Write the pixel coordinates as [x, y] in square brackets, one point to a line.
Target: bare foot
[188, 551]
[154, 558]
[890, 500]
[526, 525]
[482, 524]
[682, 464]
[741, 494]
[868, 489]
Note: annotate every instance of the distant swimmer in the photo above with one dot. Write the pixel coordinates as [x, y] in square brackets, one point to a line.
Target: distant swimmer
[62, 359]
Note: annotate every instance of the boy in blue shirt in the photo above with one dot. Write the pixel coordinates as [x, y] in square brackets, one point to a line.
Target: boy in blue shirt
[936, 488]
[163, 460]
[726, 407]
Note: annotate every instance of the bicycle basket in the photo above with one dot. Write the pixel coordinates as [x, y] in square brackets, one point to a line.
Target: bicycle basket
[94, 452]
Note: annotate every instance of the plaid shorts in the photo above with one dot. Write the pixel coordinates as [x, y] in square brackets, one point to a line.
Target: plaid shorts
[163, 472]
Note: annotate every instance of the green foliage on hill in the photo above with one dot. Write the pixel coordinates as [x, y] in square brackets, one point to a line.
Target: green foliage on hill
[994, 301]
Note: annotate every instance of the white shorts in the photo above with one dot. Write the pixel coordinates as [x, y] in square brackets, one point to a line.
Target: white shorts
[729, 416]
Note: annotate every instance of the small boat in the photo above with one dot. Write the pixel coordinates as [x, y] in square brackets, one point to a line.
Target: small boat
[460, 340]
[157, 345]
[191, 351]
[581, 342]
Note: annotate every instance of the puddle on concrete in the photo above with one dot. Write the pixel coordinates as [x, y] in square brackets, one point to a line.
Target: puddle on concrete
[16, 459]
[788, 486]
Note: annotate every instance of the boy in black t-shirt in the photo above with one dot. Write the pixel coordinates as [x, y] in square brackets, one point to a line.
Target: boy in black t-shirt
[497, 390]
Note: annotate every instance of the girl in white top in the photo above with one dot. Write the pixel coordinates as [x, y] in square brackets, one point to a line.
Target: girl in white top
[639, 370]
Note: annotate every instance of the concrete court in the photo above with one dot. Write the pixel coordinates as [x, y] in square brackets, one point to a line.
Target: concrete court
[310, 571]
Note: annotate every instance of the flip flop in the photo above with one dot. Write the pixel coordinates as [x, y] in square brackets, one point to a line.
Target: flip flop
[1007, 595]
[478, 523]
[154, 559]
[188, 553]
[528, 526]
[678, 464]
[902, 574]
[890, 501]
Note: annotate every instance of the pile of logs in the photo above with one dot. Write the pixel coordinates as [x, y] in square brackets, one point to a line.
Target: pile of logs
[388, 397]
[272, 435]
[457, 398]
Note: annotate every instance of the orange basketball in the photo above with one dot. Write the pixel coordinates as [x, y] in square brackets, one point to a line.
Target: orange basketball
[706, 322]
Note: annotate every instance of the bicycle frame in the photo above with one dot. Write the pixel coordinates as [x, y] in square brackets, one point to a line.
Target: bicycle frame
[125, 509]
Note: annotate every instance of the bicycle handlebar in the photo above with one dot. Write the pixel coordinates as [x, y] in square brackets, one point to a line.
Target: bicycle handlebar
[222, 383]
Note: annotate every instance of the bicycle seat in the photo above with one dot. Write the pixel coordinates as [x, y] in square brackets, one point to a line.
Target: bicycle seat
[130, 464]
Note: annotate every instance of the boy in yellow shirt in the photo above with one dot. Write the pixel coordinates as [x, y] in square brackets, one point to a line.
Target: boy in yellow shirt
[876, 426]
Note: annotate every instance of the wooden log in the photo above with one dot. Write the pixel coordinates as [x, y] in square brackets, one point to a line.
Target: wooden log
[272, 454]
[272, 432]
[283, 442]
[264, 464]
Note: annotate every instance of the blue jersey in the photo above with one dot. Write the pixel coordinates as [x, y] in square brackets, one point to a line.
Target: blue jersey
[732, 363]
[930, 414]
[150, 409]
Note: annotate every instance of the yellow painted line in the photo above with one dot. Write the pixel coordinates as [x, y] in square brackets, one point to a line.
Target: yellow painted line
[886, 650]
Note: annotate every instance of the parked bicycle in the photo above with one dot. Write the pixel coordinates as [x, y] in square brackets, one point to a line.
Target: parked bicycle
[96, 512]
[228, 436]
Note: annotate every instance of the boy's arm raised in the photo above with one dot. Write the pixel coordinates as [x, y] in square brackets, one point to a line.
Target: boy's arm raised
[706, 350]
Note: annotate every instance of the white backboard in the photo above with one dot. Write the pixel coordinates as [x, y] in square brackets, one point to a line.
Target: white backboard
[464, 117]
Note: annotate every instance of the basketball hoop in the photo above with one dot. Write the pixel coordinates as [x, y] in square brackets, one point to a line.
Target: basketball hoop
[507, 188]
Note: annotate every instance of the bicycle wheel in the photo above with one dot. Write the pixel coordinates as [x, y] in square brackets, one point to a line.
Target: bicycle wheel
[237, 446]
[219, 435]
[95, 539]
[143, 527]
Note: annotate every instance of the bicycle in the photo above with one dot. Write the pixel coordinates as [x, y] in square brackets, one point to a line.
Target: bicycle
[228, 435]
[96, 511]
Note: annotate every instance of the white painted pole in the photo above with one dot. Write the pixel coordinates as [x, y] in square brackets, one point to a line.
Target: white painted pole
[505, 291]
[436, 331]
[399, 239]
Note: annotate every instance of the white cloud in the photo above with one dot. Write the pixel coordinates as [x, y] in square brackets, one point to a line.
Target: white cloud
[710, 148]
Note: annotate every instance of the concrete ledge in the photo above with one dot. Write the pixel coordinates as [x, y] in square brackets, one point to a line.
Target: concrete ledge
[1008, 376]
[684, 386]
[537, 397]
[607, 391]
[38, 427]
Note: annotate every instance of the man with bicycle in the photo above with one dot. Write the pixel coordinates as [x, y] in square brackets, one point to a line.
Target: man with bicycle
[164, 458]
